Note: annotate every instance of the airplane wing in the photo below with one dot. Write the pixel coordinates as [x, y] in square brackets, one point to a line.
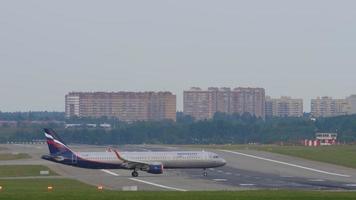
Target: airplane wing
[132, 164]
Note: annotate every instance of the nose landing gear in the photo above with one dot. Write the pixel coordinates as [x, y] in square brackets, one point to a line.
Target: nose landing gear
[205, 173]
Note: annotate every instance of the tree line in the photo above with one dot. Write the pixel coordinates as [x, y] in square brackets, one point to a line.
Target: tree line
[221, 129]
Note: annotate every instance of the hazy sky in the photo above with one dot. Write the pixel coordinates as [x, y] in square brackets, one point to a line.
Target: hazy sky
[299, 48]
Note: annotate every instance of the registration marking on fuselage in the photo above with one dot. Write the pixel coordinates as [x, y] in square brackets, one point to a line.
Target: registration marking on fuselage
[285, 163]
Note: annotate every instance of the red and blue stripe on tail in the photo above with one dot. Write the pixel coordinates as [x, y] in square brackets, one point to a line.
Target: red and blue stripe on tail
[55, 144]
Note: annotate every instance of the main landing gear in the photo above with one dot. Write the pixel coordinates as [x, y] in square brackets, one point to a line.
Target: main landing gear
[134, 173]
[205, 173]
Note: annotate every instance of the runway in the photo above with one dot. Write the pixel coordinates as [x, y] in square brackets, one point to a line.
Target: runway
[245, 170]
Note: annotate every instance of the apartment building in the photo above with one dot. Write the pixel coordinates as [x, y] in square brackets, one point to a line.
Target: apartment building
[351, 101]
[200, 104]
[126, 106]
[329, 107]
[249, 100]
[284, 107]
[203, 104]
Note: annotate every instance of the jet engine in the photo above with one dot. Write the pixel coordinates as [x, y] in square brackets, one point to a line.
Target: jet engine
[155, 168]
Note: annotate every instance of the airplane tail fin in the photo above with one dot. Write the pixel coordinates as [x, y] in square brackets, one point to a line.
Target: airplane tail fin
[55, 144]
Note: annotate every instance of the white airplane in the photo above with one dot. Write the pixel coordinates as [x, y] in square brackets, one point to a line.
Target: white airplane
[152, 162]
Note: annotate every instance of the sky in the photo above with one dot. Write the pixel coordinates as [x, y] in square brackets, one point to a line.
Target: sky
[303, 49]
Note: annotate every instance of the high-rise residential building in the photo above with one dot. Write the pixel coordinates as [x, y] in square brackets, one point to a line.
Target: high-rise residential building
[126, 106]
[203, 104]
[224, 100]
[268, 107]
[200, 104]
[284, 107]
[351, 101]
[329, 107]
[249, 100]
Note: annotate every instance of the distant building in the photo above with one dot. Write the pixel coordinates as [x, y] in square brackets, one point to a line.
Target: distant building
[126, 106]
[200, 104]
[203, 104]
[329, 107]
[268, 107]
[284, 107]
[224, 100]
[351, 101]
[249, 100]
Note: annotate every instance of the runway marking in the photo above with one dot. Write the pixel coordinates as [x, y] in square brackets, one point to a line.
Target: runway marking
[219, 179]
[228, 173]
[158, 185]
[316, 180]
[247, 184]
[220, 171]
[285, 163]
[109, 172]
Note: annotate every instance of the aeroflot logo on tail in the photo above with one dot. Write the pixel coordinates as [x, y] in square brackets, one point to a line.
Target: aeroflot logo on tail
[48, 136]
[54, 142]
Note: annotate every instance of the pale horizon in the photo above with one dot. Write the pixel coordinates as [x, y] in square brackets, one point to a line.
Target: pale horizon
[301, 49]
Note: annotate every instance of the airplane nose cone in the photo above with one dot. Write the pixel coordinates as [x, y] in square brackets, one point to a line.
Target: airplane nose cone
[222, 162]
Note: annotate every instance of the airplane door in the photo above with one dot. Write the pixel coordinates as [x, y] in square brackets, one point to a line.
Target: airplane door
[74, 159]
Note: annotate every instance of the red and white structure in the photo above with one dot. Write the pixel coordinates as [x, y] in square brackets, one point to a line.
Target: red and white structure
[322, 139]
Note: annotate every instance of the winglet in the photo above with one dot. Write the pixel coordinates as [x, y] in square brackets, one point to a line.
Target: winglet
[118, 155]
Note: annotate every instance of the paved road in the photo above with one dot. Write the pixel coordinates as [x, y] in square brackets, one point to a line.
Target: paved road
[245, 169]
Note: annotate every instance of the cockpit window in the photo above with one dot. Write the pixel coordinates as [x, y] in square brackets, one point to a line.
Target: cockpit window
[215, 156]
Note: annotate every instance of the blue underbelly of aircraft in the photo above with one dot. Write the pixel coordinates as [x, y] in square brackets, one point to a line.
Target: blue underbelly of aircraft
[90, 164]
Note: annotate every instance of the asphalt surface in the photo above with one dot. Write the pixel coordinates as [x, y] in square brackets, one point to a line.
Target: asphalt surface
[245, 170]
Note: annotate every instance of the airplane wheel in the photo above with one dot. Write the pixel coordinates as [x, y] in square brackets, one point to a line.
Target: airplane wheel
[134, 174]
[205, 173]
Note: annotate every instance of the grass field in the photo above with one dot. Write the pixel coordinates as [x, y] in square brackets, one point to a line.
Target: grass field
[11, 156]
[36, 189]
[23, 170]
[344, 155]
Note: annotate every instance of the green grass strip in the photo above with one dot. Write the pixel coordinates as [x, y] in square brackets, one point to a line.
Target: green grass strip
[36, 189]
[23, 170]
[339, 155]
[12, 156]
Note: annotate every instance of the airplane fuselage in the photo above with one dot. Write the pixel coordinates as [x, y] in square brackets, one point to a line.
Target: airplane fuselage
[150, 161]
[110, 160]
